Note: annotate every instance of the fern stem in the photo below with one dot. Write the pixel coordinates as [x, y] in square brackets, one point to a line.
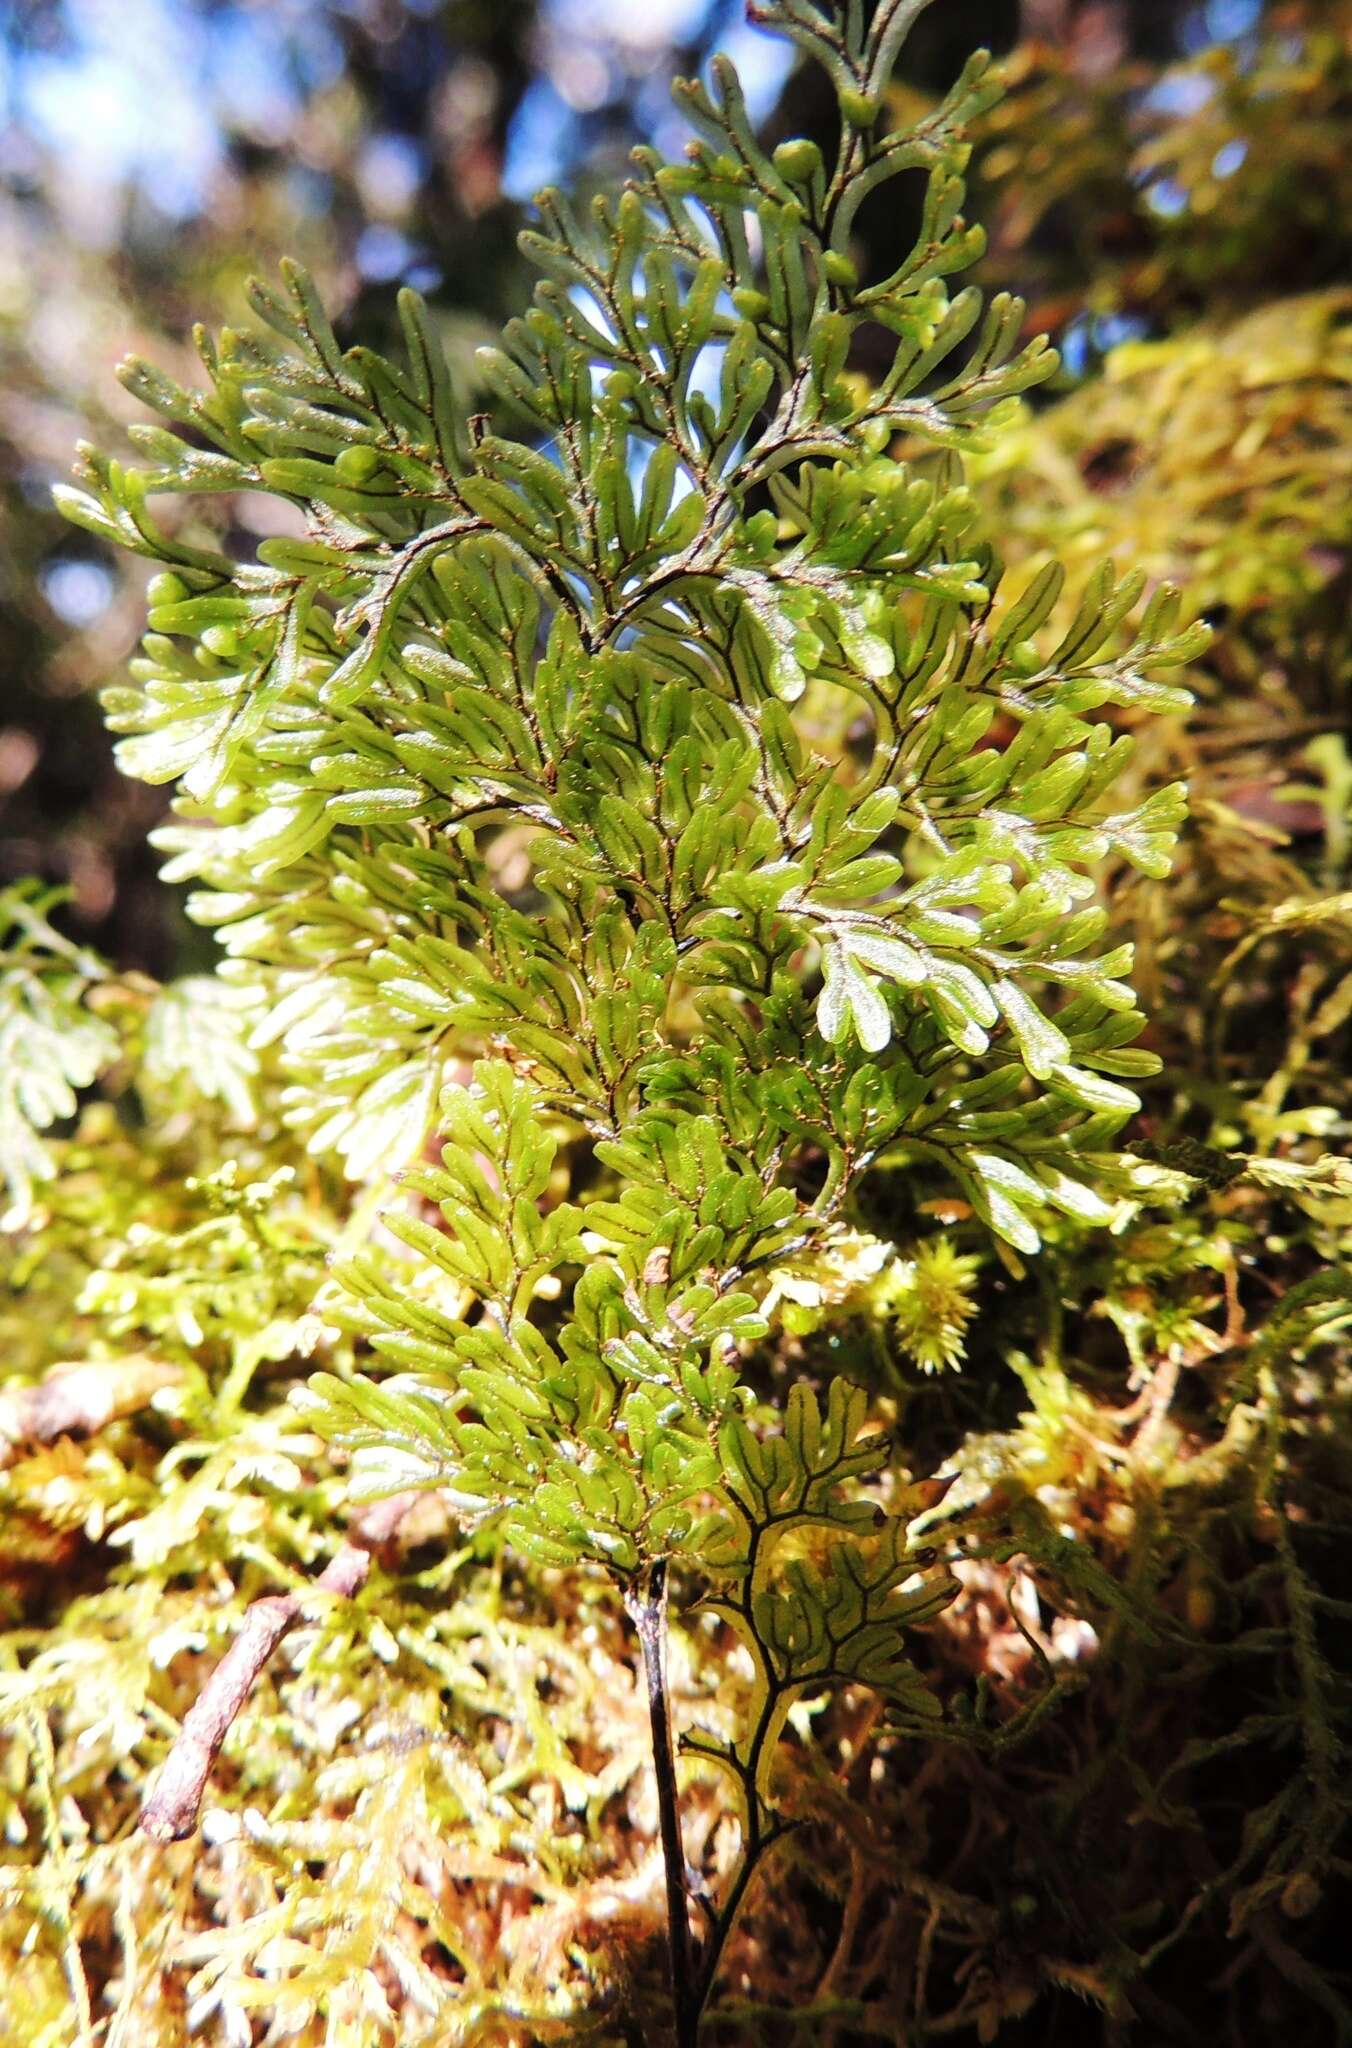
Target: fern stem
[647, 1605]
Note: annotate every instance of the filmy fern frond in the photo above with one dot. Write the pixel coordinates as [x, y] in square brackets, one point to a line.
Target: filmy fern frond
[510, 792]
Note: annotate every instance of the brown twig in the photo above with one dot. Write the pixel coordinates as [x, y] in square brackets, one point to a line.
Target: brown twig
[172, 1808]
[78, 1399]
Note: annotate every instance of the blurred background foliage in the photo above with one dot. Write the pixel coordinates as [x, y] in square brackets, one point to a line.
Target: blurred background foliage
[1169, 183]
